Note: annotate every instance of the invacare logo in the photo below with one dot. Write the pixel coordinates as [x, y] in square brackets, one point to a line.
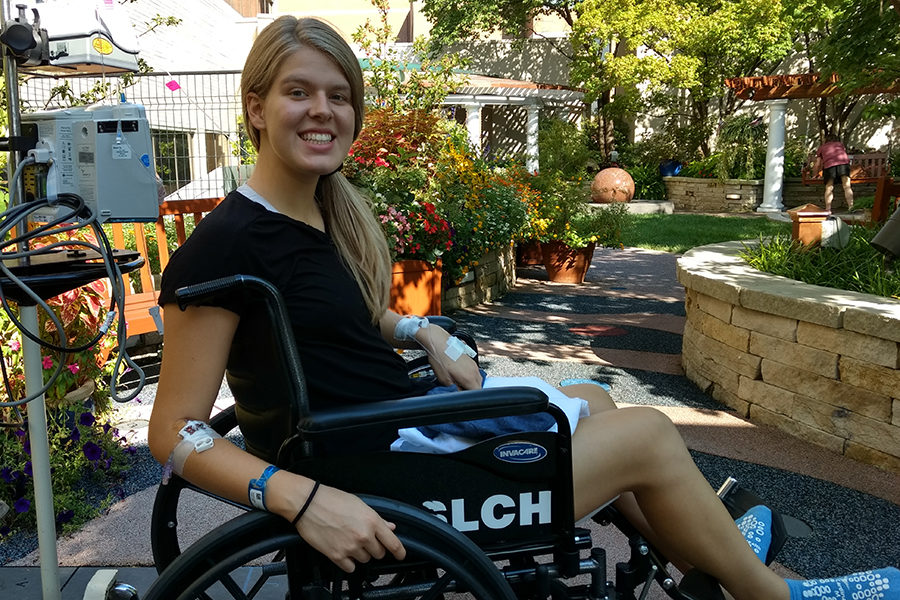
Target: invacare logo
[520, 452]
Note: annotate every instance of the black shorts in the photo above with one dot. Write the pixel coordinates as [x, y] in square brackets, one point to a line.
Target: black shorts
[836, 172]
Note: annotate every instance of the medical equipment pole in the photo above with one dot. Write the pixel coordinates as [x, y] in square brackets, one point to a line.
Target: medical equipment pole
[31, 354]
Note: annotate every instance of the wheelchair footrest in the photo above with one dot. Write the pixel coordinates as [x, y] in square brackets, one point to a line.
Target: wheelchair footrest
[738, 500]
[696, 585]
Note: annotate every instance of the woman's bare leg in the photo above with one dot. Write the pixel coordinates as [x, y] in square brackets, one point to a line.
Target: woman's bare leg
[848, 191]
[829, 194]
[599, 401]
[638, 449]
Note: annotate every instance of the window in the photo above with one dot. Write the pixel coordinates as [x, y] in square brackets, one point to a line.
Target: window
[171, 152]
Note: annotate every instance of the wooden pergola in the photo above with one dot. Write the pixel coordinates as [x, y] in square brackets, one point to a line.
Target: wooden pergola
[791, 87]
[776, 91]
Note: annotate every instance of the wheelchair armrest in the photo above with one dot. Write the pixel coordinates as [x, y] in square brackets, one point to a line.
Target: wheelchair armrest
[426, 410]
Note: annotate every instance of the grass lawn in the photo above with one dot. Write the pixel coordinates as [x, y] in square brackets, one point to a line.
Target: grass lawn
[680, 232]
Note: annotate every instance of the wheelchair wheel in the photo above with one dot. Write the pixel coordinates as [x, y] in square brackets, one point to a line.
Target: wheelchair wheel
[165, 539]
[259, 555]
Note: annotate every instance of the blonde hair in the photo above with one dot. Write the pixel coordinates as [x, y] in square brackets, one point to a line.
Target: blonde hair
[356, 233]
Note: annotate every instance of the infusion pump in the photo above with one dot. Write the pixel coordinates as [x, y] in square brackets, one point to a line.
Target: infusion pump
[103, 154]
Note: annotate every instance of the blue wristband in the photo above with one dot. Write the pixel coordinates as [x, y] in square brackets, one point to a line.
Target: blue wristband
[256, 490]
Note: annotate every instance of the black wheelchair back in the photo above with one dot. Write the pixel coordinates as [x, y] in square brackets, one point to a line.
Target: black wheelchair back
[494, 521]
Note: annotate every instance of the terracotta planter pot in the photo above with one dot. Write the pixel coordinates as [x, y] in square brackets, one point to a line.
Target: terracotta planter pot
[564, 264]
[529, 253]
[416, 288]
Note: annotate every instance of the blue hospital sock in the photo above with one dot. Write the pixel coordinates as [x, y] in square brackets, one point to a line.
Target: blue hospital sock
[756, 527]
[883, 584]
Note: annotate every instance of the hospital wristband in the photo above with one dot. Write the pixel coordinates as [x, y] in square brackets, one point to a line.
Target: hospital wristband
[256, 489]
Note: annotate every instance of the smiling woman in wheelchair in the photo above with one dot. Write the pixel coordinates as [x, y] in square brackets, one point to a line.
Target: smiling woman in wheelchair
[300, 225]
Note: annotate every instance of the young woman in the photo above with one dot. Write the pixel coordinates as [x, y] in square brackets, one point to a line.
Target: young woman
[299, 224]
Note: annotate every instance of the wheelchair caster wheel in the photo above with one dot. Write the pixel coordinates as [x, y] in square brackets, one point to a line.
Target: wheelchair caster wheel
[122, 591]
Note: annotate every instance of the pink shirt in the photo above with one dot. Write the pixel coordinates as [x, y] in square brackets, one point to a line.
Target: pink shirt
[833, 154]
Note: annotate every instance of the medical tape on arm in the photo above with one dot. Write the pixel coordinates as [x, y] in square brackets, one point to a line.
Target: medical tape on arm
[407, 328]
[196, 436]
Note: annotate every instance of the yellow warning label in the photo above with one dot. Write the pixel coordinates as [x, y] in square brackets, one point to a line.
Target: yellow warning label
[102, 45]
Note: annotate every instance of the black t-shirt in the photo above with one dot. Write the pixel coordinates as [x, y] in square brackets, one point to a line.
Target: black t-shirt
[344, 357]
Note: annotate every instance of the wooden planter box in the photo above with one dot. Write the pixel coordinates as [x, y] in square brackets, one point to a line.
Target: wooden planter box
[416, 288]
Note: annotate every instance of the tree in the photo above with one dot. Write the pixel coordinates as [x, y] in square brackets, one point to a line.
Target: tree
[398, 83]
[857, 40]
[461, 20]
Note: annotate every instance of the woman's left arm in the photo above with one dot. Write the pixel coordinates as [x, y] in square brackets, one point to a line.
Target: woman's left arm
[433, 339]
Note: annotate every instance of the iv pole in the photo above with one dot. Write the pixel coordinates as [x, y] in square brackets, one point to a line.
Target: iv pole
[31, 354]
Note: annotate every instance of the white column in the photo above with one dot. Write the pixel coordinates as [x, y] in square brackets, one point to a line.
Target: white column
[531, 137]
[473, 125]
[774, 181]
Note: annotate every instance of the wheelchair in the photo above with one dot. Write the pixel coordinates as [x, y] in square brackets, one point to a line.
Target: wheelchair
[492, 522]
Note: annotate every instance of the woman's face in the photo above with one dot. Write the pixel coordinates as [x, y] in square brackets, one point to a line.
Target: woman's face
[306, 120]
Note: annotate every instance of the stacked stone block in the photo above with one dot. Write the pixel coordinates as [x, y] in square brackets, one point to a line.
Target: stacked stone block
[692, 194]
[818, 363]
[493, 276]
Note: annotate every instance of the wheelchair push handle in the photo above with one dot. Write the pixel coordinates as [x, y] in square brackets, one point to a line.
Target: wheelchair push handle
[207, 290]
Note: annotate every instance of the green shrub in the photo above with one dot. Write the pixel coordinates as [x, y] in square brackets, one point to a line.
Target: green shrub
[858, 267]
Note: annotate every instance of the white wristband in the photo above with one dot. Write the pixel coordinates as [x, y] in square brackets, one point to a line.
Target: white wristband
[407, 327]
[456, 348]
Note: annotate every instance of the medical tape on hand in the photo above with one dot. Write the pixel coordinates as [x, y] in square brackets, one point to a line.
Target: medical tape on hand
[456, 348]
[196, 436]
[407, 327]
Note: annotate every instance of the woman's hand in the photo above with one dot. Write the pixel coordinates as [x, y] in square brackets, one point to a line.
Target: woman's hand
[345, 529]
[462, 372]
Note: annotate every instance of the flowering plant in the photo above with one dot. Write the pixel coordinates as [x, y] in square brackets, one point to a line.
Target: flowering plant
[82, 445]
[414, 231]
[486, 205]
[393, 160]
[563, 214]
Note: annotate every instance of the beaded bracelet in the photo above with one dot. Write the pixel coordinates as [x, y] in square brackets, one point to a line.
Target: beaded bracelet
[306, 504]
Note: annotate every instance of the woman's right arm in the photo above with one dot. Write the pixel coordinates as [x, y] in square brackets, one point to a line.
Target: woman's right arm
[197, 342]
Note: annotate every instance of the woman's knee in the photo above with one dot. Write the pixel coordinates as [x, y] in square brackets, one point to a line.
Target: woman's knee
[597, 398]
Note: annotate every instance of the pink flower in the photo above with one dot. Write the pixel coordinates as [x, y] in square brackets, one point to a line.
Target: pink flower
[47, 362]
[14, 345]
[73, 368]
[380, 162]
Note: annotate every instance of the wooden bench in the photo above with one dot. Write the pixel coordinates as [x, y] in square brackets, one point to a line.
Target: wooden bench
[140, 307]
[887, 196]
[864, 168]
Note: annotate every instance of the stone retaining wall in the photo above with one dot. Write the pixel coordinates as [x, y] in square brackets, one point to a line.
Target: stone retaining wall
[695, 194]
[819, 363]
[493, 276]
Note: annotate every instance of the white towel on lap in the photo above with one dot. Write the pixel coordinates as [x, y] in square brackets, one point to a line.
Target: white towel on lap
[412, 440]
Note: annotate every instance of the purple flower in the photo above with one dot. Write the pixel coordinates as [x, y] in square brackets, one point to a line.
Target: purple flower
[92, 451]
[4, 531]
[6, 474]
[65, 516]
[86, 419]
[28, 469]
[22, 505]
[75, 435]
[20, 433]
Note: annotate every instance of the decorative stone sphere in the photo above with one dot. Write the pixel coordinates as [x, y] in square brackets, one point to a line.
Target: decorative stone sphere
[612, 185]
